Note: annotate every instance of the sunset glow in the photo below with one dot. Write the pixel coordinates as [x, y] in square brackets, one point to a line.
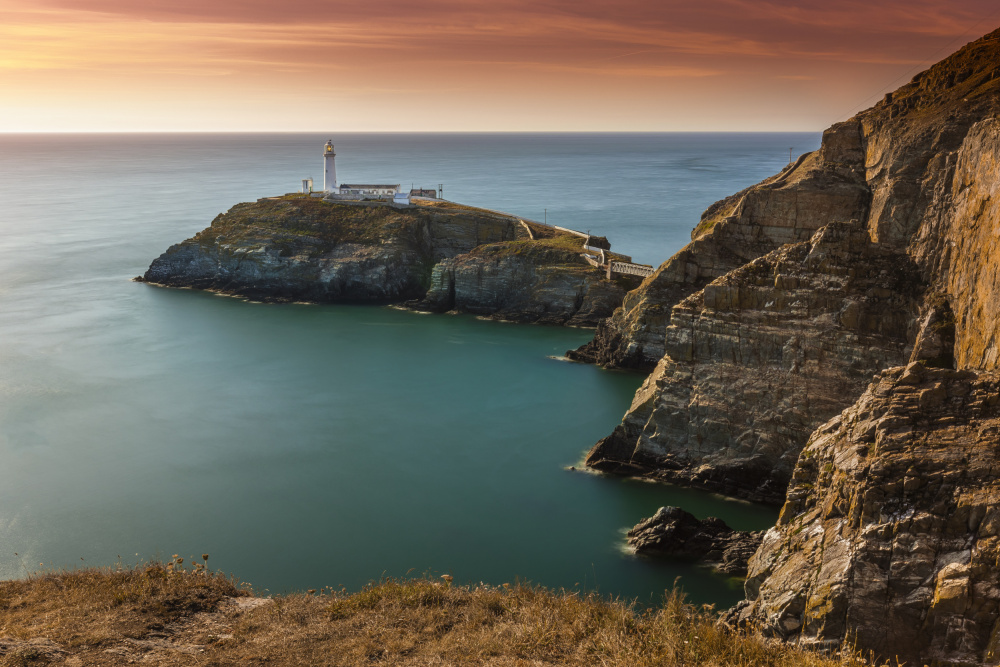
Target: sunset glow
[118, 65]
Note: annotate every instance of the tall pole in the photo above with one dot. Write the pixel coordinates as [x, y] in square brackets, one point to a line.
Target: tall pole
[546, 216]
[790, 154]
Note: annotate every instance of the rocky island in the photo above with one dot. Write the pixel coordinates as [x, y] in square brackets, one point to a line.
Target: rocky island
[437, 256]
[829, 341]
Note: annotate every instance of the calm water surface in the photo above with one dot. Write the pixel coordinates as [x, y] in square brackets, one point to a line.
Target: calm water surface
[304, 446]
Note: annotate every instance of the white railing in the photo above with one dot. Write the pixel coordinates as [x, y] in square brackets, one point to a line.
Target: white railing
[564, 229]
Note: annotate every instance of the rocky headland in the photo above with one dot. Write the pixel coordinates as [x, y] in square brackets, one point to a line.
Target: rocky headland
[829, 341]
[439, 257]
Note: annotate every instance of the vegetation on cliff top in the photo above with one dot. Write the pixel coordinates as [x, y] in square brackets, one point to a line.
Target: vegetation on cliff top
[322, 221]
[557, 249]
[171, 615]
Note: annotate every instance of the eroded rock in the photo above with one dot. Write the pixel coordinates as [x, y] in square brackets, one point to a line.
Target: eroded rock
[755, 345]
[823, 187]
[760, 357]
[676, 533]
[890, 536]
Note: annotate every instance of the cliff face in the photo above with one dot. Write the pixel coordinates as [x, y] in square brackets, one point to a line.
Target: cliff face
[891, 531]
[820, 188]
[961, 246]
[888, 531]
[532, 281]
[760, 357]
[304, 249]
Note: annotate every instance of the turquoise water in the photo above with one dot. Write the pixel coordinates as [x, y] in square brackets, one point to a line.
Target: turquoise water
[304, 446]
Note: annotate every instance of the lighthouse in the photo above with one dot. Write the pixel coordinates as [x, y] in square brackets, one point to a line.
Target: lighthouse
[329, 168]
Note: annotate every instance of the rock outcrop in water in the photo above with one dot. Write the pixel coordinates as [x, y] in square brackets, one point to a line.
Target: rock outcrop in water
[443, 257]
[679, 534]
[876, 256]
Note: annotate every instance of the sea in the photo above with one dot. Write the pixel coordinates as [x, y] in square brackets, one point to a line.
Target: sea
[307, 446]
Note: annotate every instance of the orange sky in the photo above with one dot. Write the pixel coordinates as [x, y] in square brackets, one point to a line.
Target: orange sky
[446, 65]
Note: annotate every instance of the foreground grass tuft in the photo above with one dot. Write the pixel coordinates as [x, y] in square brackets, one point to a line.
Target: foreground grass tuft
[174, 616]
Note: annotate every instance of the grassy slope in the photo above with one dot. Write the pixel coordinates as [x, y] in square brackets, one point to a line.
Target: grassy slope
[557, 249]
[312, 219]
[168, 615]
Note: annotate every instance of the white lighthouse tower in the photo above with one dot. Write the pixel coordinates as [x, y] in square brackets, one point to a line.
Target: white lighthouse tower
[329, 168]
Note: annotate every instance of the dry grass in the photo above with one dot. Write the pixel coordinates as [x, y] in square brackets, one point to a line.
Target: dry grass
[87, 611]
[160, 615]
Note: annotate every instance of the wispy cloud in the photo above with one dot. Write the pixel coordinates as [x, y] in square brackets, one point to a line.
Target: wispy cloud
[663, 52]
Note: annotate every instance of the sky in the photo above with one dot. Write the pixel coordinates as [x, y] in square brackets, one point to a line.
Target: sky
[452, 65]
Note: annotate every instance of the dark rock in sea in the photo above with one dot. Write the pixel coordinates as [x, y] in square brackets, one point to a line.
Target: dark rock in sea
[675, 533]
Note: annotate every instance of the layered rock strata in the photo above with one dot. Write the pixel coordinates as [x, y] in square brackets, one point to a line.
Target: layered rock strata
[443, 258]
[820, 188]
[890, 536]
[672, 532]
[760, 357]
[526, 282]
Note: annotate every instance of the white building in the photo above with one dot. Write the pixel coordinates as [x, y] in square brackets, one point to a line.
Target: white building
[336, 190]
[376, 190]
